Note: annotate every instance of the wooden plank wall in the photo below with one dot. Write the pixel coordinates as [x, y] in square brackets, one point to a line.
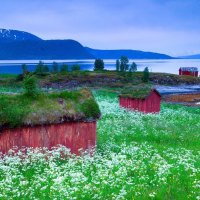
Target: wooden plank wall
[74, 135]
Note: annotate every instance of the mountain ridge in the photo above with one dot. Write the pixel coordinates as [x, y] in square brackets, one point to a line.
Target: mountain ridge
[132, 54]
[195, 56]
[19, 45]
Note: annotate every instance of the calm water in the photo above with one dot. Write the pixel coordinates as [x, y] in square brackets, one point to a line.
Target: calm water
[168, 66]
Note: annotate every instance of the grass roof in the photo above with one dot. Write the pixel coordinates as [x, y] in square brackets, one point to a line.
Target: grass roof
[137, 92]
[47, 108]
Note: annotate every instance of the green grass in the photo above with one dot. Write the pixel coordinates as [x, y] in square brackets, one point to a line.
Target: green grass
[138, 156]
[45, 108]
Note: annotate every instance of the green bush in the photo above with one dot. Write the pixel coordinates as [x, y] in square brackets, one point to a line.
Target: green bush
[64, 68]
[98, 65]
[145, 77]
[30, 86]
[75, 68]
[90, 108]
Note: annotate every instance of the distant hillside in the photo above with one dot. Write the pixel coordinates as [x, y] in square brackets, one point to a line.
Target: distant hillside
[44, 50]
[132, 54]
[197, 56]
[19, 45]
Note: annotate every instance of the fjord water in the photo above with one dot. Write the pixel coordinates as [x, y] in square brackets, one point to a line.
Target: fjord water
[166, 66]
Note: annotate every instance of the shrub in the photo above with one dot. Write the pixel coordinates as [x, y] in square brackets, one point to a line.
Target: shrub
[117, 65]
[55, 67]
[98, 65]
[90, 108]
[75, 68]
[133, 67]
[145, 77]
[64, 68]
[30, 86]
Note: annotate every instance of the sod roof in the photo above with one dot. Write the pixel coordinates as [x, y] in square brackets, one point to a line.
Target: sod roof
[137, 92]
[47, 108]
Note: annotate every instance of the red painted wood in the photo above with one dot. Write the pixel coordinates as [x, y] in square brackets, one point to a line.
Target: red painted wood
[188, 73]
[149, 105]
[74, 135]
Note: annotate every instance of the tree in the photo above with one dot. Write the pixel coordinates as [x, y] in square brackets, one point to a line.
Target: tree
[30, 86]
[75, 68]
[145, 77]
[39, 67]
[24, 69]
[98, 64]
[117, 65]
[64, 68]
[45, 68]
[55, 67]
[133, 67]
[124, 63]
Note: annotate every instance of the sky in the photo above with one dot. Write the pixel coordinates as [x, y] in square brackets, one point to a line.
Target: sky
[164, 26]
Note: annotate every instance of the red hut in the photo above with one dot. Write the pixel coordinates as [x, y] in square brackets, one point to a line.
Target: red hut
[67, 118]
[189, 71]
[143, 99]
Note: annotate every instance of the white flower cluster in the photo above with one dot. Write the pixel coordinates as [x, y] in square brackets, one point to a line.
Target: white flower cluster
[137, 157]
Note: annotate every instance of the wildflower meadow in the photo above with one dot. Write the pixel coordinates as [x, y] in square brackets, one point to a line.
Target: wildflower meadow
[138, 156]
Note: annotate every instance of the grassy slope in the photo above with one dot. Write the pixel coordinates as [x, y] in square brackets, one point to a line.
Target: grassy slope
[138, 157]
[96, 79]
[18, 110]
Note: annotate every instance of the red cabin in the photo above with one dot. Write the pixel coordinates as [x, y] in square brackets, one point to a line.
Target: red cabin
[141, 99]
[55, 125]
[189, 71]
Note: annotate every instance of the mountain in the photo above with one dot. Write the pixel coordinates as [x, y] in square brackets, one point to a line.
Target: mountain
[131, 54]
[19, 45]
[14, 35]
[196, 56]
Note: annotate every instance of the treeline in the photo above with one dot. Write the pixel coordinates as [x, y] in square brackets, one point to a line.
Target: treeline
[42, 68]
[123, 66]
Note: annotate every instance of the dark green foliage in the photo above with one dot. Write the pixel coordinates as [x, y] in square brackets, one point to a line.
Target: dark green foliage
[138, 92]
[46, 68]
[133, 67]
[39, 68]
[30, 86]
[117, 65]
[145, 77]
[20, 77]
[90, 108]
[11, 115]
[55, 67]
[24, 69]
[98, 65]
[75, 68]
[124, 63]
[72, 95]
[64, 68]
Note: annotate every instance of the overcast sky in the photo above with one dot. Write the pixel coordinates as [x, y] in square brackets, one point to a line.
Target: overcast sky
[166, 26]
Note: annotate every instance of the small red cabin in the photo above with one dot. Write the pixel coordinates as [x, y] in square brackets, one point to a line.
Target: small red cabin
[145, 100]
[189, 71]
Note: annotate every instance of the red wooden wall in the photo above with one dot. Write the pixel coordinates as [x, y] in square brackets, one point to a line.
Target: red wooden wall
[74, 135]
[188, 73]
[149, 105]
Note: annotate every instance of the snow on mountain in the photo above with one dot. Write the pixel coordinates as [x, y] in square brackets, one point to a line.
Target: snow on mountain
[14, 35]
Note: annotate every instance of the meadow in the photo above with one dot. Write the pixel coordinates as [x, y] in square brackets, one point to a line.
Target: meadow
[138, 156]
